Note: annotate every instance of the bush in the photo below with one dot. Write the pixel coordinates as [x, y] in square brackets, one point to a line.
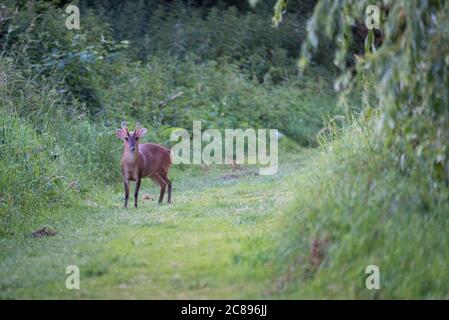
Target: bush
[355, 209]
[30, 176]
[47, 159]
[181, 29]
[220, 96]
[403, 73]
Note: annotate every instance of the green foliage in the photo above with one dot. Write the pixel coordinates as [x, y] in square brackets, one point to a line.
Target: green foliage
[378, 193]
[29, 171]
[221, 84]
[36, 37]
[181, 30]
[67, 90]
[221, 97]
[47, 160]
[407, 76]
[355, 209]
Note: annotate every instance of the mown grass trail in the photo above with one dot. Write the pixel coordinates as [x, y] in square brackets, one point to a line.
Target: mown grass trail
[214, 241]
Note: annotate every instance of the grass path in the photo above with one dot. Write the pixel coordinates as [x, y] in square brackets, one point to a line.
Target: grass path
[213, 242]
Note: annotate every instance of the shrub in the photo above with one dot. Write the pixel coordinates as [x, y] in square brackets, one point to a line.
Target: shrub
[353, 210]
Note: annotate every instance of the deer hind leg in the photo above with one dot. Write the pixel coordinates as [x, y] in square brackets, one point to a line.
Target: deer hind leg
[168, 183]
[157, 179]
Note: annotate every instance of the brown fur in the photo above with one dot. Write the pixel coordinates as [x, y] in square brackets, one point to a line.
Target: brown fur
[140, 161]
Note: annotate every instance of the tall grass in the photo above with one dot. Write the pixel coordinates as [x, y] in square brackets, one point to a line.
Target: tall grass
[47, 158]
[356, 208]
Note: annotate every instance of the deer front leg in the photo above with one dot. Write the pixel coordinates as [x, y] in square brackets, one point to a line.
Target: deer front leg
[161, 195]
[136, 192]
[126, 185]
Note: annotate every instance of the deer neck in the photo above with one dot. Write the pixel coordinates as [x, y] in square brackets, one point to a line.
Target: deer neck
[130, 158]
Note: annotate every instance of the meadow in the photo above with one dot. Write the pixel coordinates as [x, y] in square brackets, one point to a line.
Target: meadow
[363, 158]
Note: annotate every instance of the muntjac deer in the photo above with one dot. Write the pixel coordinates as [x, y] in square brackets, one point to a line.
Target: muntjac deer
[140, 161]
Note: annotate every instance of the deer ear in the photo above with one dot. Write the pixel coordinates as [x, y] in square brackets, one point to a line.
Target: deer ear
[141, 132]
[120, 133]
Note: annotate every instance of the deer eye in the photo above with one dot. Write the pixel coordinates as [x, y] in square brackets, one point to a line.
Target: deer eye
[137, 138]
[126, 139]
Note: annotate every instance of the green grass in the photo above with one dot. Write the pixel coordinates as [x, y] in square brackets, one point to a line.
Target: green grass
[354, 201]
[214, 241]
[231, 234]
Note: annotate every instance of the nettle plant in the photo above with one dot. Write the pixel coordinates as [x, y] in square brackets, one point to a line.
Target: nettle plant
[402, 69]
